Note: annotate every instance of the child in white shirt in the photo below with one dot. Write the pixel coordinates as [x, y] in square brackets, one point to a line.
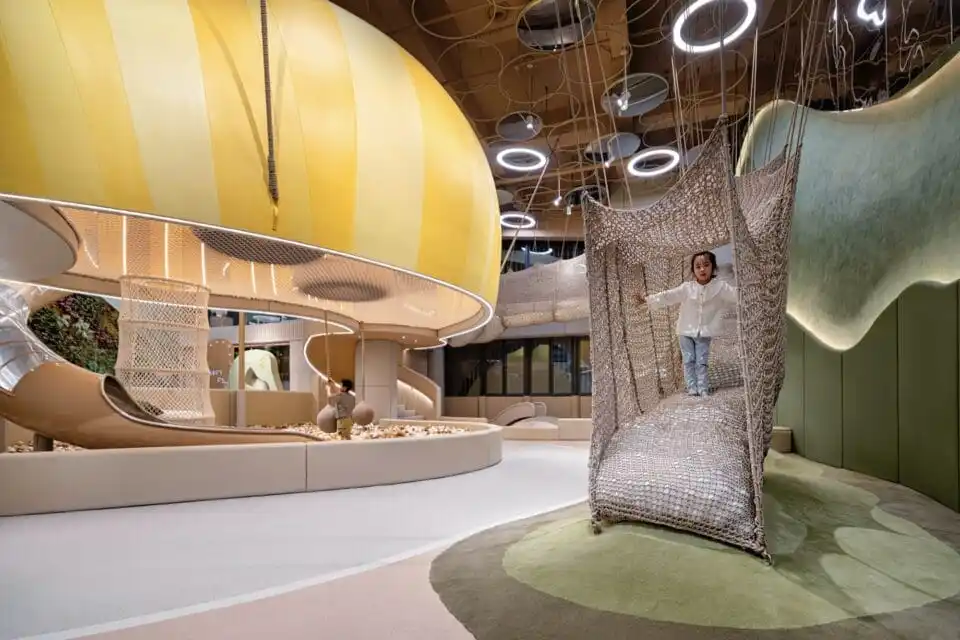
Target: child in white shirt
[702, 302]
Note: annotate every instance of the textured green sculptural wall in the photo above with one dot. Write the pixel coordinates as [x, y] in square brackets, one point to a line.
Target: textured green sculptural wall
[878, 201]
[890, 406]
[877, 218]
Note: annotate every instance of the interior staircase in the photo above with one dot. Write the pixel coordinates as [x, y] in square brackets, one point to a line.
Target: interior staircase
[407, 414]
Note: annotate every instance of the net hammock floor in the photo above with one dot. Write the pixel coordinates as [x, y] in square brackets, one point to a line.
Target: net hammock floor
[682, 456]
[657, 456]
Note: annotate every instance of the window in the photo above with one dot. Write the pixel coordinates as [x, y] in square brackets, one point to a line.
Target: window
[282, 353]
[463, 369]
[584, 368]
[537, 367]
[514, 367]
[494, 369]
[540, 368]
[260, 372]
[561, 356]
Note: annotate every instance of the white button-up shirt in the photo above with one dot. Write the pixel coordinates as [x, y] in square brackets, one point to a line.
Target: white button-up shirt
[701, 306]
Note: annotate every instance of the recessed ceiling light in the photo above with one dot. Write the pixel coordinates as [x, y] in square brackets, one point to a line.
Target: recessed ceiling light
[728, 39]
[673, 159]
[539, 159]
[517, 220]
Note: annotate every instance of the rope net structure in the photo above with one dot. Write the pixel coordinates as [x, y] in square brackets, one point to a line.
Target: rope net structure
[545, 293]
[162, 354]
[657, 455]
[554, 292]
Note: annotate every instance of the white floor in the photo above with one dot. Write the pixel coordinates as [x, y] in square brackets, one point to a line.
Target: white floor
[67, 571]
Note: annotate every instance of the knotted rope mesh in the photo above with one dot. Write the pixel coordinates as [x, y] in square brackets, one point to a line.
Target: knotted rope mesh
[162, 354]
[694, 464]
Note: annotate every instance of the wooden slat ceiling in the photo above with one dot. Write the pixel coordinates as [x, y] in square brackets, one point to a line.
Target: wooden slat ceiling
[473, 48]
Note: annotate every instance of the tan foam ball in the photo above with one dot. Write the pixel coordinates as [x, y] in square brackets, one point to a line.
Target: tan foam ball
[363, 414]
[327, 419]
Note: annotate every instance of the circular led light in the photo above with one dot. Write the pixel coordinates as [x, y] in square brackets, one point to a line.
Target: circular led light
[540, 158]
[516, 220]
[876, 18]
[673, 159]
[739, 30]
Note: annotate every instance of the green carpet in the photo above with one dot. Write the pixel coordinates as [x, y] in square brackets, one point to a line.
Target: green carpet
[853, 558]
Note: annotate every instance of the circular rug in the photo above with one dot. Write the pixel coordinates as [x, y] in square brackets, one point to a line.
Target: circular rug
[854, 557]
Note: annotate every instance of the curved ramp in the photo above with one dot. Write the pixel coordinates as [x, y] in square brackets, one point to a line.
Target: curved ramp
[42, 392]
[515, 413]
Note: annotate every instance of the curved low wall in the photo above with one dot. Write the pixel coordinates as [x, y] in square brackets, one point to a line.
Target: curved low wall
[396, 460]
[106, 478]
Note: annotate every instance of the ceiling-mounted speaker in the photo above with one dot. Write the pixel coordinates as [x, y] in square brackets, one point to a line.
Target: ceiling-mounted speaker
[555, 25]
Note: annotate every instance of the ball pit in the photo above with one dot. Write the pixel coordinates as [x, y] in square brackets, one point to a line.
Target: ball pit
[369, 432]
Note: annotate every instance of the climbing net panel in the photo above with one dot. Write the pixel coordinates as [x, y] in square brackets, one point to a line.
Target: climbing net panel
[162, 356]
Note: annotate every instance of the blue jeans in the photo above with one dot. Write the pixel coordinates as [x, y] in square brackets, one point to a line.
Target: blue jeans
[696, 355]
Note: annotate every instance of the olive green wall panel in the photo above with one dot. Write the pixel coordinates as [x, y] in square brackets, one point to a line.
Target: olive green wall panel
[870, 421]
[822, 403]
[928, 399]
[889, 406]
[790, 405]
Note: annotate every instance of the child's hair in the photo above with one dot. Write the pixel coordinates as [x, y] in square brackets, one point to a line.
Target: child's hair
[346, 384]
[710, 256]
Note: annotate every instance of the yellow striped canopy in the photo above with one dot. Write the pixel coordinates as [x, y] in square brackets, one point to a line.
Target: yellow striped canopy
[157, 107]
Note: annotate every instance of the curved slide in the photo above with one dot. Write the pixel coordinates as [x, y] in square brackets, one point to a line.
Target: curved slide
[42, 392]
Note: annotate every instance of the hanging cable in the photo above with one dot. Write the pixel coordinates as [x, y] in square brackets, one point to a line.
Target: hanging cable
[516, 233]
[326, 347]
[272, 184]
[723, 67]
[363, 362]
[589, 99]
[678, 110]
[752, 109]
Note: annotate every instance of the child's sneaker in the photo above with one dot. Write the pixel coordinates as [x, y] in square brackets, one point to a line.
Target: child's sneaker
[693, 392]
[704, 393]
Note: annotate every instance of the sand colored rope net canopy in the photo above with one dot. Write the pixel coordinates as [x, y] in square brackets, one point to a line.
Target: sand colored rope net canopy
[553, 292]
[657, 456]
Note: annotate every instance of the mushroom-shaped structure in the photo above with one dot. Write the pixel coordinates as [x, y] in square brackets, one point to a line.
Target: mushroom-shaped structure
[144, 127]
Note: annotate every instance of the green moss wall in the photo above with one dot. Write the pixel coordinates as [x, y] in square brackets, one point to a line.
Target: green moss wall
[890, 406]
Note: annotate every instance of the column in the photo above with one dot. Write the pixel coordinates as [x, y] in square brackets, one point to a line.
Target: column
[379, 365]
[436, 368]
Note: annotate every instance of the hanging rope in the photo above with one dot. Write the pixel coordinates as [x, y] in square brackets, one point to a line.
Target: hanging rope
[723, 67]
[363, 363]
[268, 94]
[326, 348]
[603, 181]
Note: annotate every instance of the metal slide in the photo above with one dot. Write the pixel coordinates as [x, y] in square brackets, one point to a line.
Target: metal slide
[42, 392]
